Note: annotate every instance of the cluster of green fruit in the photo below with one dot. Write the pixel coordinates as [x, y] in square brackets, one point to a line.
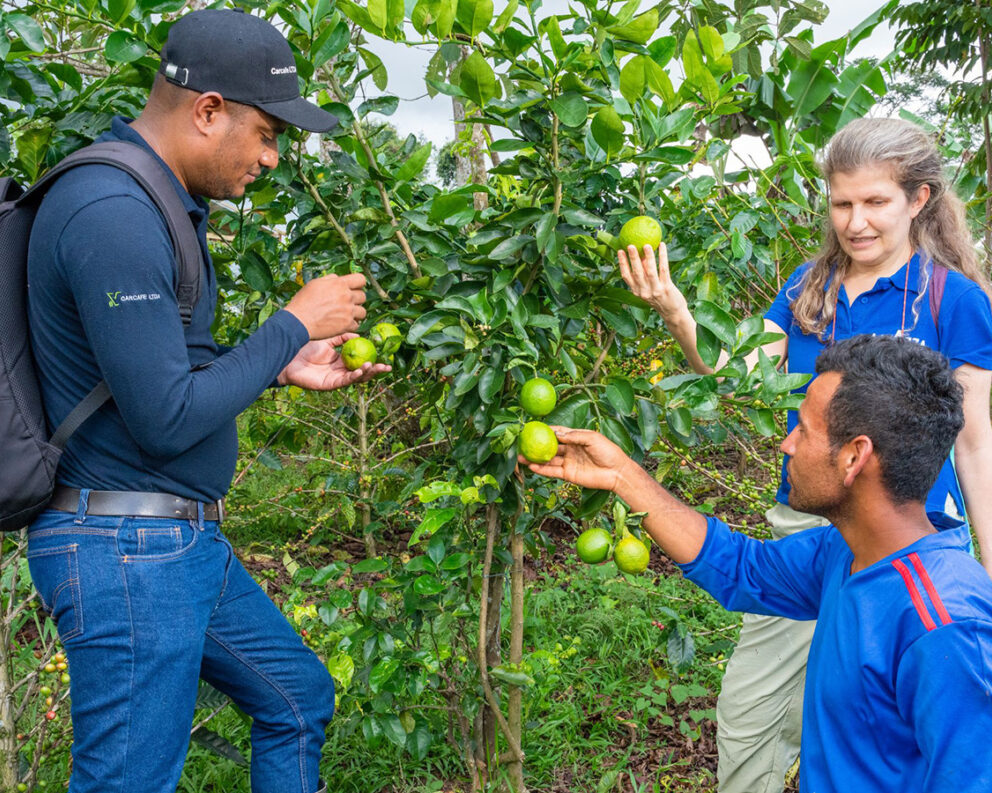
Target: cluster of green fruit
[597, 545]
[537, 440]
[383, 341]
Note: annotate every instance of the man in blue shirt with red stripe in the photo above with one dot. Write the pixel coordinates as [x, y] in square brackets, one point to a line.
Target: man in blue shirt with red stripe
[899, 682]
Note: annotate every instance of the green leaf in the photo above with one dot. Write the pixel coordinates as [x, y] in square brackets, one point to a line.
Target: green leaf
[617, 433]
[429, 586]
[419, 742]
[696, 73]
[607, 130]
[711, 316]
[681, 651]
[477, 79]
[810, 85]
[119, 9]
[392, 728]
[620, 394]
[640, 29]
[507, 16]
[571, 108]
[370, 566]
[378, 13]
[414, 164]
[380, 675]
[446, 11]
[384, 105]
[219, 745]
[424, 15]
[474, 16]
[763, 420]
[27, 30]
[436, 490]
[680, 421]
[511, 677]
[347, 165]
[374, 64]
[433, 520]
[122, 47]
[424, 324]
[632, 79]
[255, 270]
[647, 421]
[592, 502]
[31, 148]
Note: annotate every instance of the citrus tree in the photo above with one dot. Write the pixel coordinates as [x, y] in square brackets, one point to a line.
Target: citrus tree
[582, 120]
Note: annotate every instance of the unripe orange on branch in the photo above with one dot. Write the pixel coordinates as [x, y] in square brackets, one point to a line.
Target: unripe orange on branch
[640, 231]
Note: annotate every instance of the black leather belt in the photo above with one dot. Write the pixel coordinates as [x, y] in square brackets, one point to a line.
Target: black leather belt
[135, 504]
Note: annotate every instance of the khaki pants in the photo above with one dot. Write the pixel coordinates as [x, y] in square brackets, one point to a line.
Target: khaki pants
[759, 711]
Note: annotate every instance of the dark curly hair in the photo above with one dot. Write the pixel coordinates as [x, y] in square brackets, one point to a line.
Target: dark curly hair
[905, 398]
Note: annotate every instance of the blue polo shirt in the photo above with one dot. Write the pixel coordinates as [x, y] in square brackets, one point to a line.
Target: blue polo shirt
[964, 336]
[898, 693]
[102, 306]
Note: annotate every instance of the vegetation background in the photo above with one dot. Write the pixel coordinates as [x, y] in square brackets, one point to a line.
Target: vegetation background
[390, 522]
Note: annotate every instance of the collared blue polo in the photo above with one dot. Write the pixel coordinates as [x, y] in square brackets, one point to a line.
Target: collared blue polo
[964, 336]
[102, 306]
[898, 693]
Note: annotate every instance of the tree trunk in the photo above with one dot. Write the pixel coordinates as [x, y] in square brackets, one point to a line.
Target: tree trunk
[515, 706]
[364, 493]
[470, 167]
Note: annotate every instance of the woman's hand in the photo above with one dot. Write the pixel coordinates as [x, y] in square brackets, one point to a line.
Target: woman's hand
[652, 281]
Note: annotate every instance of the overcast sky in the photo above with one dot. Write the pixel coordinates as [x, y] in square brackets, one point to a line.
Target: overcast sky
[431, 118]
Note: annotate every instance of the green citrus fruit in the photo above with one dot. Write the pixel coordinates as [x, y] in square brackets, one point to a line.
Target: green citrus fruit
[538, 442]
[538, 397]
[383, 331]
[357, 351]
[640, 231]
[593, 545]
[631, 555]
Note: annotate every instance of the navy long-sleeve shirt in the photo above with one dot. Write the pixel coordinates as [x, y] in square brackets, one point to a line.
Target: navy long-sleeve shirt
[102, 306]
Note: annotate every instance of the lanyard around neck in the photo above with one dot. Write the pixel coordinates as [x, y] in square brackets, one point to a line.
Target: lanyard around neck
[902, 322]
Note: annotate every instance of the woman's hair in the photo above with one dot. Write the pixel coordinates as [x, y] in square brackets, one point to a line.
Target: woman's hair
[939, 232]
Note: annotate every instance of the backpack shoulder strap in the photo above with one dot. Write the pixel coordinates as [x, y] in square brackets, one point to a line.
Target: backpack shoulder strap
[937, 281]
[146, 170]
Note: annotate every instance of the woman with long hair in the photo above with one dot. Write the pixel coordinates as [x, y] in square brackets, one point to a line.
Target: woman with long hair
[897, 259]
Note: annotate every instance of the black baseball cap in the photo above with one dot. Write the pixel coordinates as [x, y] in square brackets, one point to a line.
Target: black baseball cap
[245, 59]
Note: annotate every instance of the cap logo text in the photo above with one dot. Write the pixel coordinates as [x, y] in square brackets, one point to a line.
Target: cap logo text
[283, 70]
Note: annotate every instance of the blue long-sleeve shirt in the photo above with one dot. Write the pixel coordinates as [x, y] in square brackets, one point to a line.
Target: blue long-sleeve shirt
[898, 691]
[102, 306]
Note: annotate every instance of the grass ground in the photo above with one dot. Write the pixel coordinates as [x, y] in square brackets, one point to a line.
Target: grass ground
[612, 715]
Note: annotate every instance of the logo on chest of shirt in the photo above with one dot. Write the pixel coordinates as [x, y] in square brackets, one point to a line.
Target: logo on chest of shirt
[119, 298]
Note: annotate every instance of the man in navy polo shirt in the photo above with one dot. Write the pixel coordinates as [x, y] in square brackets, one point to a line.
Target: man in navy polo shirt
[146, 603]
[899, 679]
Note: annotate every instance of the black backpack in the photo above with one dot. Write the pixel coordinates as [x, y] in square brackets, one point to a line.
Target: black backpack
[28, 456]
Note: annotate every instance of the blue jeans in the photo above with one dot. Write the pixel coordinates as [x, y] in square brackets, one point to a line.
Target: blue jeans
[145, 607]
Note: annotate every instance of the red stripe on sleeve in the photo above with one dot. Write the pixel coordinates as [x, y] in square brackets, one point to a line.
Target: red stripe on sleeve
[914, 594]
[938, 604]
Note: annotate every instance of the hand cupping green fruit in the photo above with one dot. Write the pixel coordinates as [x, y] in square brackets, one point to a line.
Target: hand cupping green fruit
[538, 442]
[357, 352]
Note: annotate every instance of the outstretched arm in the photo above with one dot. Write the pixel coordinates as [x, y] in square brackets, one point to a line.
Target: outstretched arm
[589, 459]
[652, 281]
